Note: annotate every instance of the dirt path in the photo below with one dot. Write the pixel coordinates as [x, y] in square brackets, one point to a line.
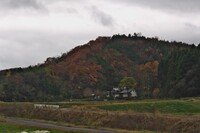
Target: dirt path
[53, 126]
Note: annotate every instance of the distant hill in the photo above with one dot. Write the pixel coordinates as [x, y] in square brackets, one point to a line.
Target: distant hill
[161, 69]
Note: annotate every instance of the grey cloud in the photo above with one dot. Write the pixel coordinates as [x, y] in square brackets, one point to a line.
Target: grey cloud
[71, 10]
[193, 33]
[192, 27]
[24, 48]
[186, 6]
[102, 17]
[17, 4]
[189, 33]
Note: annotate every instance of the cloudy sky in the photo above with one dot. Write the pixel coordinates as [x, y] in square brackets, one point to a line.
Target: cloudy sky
[32, 30]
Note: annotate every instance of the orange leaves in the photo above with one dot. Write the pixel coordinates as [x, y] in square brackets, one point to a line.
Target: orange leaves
[150, 67]
[77, 63]
[88, 69]
[156, 92]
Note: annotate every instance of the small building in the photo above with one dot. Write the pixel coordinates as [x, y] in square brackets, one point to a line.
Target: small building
[121, 93]
[128, 93]
[133, 93]
[115, 92]
[124, 93]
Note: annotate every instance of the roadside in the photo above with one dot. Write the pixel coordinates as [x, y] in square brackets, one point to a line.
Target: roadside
[53, 126]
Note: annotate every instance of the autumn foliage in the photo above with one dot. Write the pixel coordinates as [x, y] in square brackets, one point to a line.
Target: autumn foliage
[101, 64]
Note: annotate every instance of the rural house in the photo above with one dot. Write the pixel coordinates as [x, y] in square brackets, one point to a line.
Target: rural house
[121, 93]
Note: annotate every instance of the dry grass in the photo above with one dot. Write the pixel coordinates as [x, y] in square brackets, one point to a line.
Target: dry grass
[92, 117]
[186, 126]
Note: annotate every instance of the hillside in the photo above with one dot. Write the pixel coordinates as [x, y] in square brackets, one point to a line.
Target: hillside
[161, 69]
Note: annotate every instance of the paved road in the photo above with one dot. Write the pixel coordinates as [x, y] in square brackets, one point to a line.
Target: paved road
[54, 126]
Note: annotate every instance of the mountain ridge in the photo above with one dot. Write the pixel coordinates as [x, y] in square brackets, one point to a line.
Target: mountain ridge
[96, 67]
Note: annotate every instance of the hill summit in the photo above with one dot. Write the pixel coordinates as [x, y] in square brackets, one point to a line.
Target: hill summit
[160, 68]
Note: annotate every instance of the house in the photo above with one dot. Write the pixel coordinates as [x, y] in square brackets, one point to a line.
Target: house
[133, 93]
[124, 93]
[121, 93]
[128, 93]
[115, 92]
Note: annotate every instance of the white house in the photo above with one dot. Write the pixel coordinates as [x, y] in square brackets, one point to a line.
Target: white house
[122, 93]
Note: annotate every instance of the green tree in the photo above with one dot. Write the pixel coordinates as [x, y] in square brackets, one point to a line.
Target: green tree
[128, 83]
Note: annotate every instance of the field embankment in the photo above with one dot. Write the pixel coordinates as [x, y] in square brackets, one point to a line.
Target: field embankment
[163, 116]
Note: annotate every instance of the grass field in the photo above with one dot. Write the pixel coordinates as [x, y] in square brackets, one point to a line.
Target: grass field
[177, 106]
[187, 106]
[154, 114]
[13, 128]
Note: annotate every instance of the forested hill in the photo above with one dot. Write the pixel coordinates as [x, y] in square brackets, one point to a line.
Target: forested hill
[160, 68]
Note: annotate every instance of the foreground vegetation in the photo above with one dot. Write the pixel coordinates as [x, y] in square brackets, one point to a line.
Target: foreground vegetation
[168, 106]
[184, 106]
[15, 128]
[180, 115]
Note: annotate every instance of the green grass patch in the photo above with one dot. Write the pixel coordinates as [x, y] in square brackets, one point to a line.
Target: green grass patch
[14, 128]
[171, 106]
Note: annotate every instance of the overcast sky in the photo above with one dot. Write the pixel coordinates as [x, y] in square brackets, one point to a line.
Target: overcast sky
[32, 30]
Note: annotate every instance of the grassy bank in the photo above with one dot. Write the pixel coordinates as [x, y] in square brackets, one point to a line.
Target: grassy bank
[6, 127]
[169, 107]
[14, 128]
[155, 115]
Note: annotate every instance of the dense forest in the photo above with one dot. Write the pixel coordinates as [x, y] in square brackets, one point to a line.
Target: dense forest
[162, 69]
